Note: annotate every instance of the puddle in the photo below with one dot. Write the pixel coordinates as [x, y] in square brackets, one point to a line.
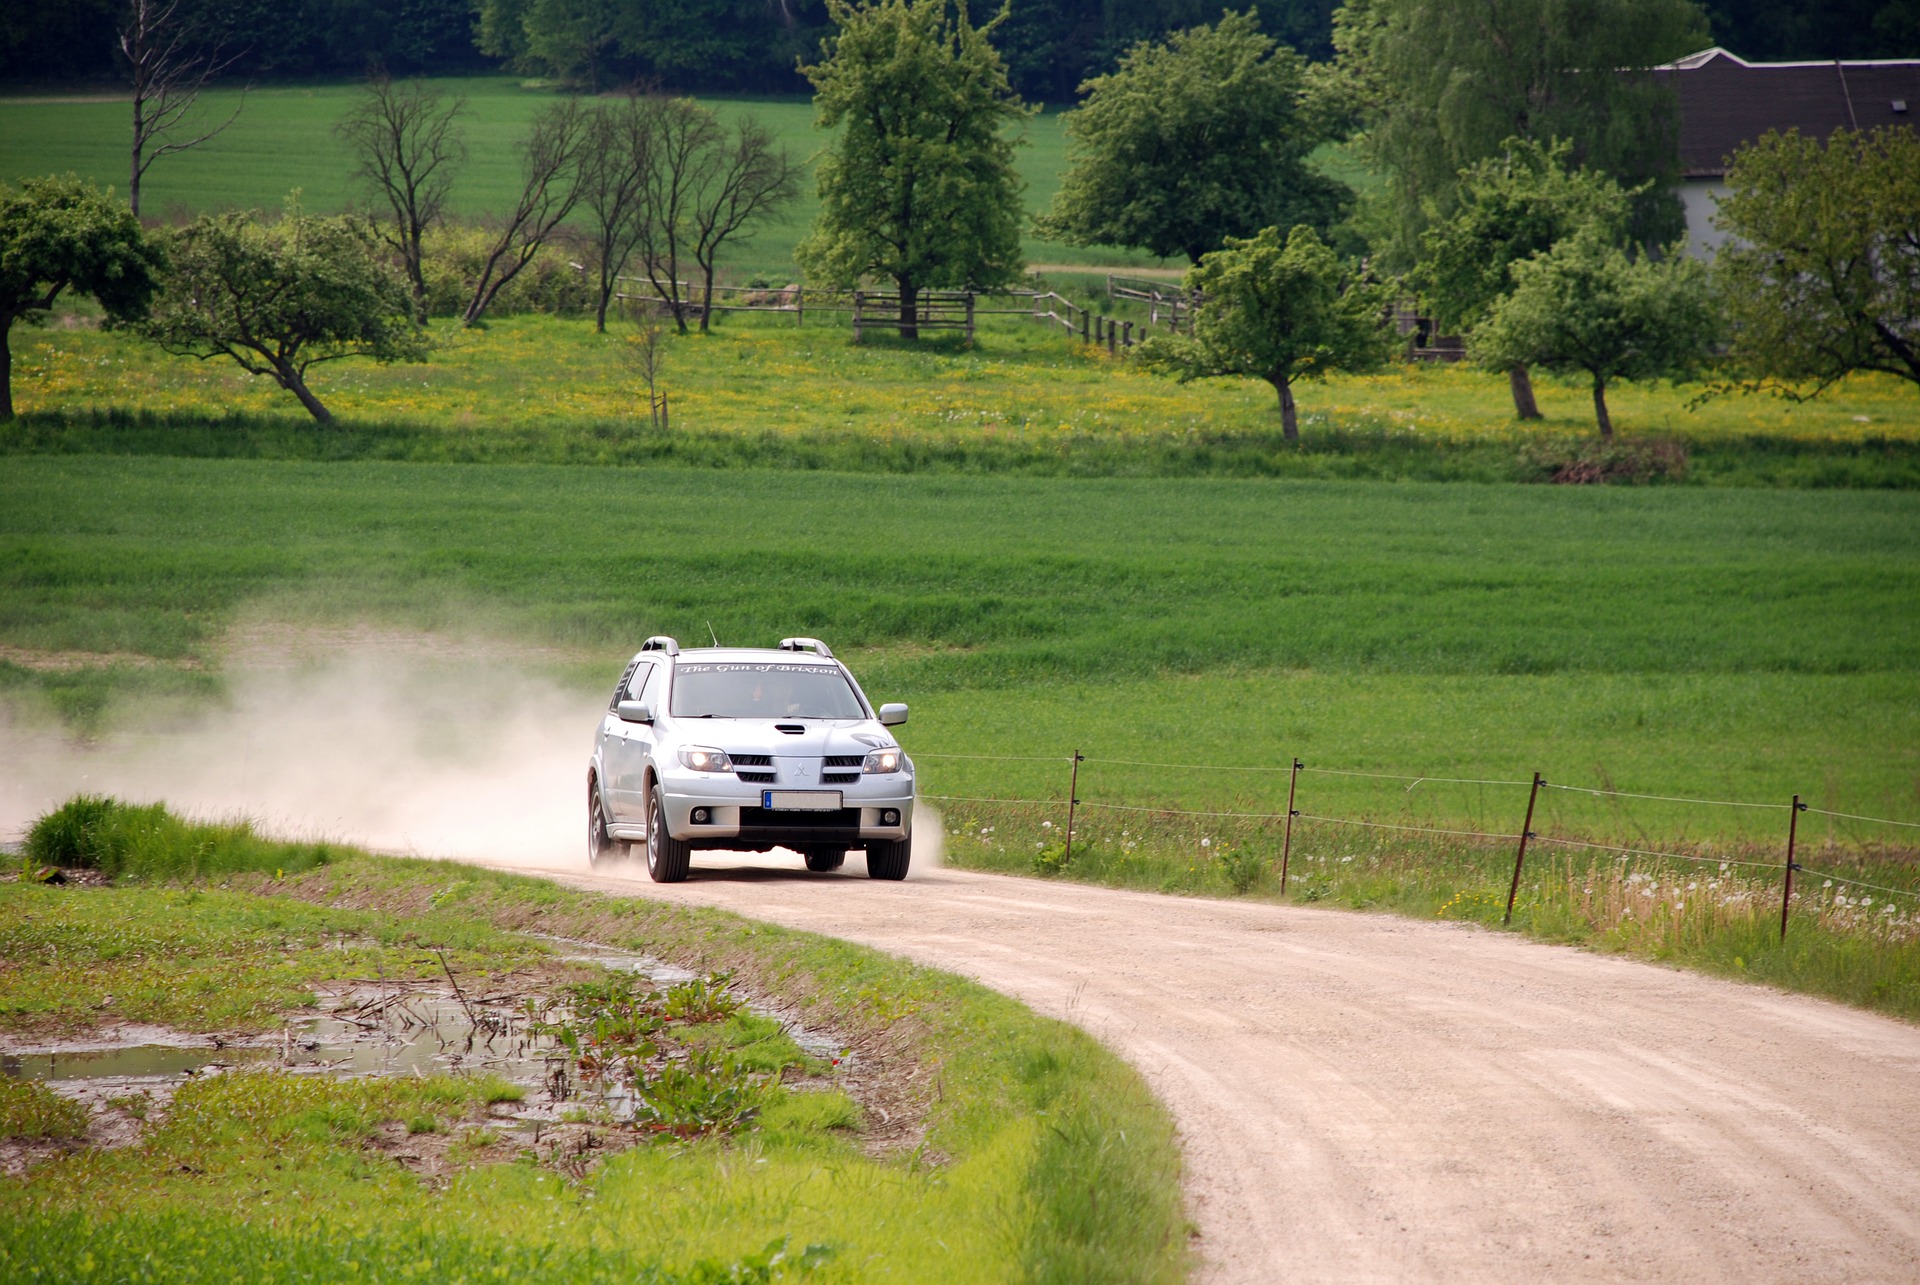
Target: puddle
[367, 1029]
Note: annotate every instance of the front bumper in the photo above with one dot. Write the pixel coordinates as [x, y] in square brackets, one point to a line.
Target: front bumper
[732, 812]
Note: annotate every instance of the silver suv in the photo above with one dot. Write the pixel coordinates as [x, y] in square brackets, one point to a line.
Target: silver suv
[746, 749]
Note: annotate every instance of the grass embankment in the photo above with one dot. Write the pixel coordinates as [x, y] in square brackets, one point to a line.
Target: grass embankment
[766, 393]
[1044, 1158]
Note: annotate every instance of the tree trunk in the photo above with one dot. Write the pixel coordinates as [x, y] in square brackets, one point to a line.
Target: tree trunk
[909, 309]
[291, 380]
[706, 296]
[6, 369]
[600, 308]
[1289, 421]
[1524, 407]
[1600, 408]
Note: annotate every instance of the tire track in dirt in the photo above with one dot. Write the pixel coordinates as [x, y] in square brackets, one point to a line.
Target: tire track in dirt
[1366, 1098]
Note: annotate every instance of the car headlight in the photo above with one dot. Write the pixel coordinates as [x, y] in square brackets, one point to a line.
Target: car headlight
[702, 759]
[883, 761]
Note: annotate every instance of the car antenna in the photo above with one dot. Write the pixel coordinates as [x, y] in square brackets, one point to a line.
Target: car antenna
[712, 635]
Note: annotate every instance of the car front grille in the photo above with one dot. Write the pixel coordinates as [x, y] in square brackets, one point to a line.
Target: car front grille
[757, 768]
[841, 769]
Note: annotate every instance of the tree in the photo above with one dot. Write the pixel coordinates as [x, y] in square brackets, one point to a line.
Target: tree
[57, 235]
[407, 147]
[1440, 85]
[281, 299]
[1822, 276]
[550, 186]
[919, 186]
[748, 181]
[1510, 208]
[1276, 311]
[169, 69]
[613, 187]
[1588, 306]
[1193, 141]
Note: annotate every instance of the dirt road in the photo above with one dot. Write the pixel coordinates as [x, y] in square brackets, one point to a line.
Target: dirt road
[1362, 1098]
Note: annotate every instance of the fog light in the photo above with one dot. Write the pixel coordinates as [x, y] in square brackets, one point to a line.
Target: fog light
[889, 817]
[701, 816]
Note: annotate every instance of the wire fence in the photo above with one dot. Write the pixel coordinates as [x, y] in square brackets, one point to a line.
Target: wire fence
[1526, 834]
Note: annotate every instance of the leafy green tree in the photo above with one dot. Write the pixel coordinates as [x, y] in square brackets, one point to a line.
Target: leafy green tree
[1276, 311]
[1589, 306]
[918, 186]
[1510, 208]
[1822, 277]
[59, 234]
[1440, 85]
[1193, 141]
[279, 299]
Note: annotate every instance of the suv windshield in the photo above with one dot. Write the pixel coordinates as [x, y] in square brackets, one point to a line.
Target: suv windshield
[770, 690]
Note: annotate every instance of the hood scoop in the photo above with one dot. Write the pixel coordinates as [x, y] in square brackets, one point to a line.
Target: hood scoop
[791, 729]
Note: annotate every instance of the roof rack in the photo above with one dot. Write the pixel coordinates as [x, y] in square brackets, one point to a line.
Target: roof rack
[806, 644]
[660, 642]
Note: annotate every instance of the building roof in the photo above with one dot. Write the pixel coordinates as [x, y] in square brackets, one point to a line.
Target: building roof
[1726, 101]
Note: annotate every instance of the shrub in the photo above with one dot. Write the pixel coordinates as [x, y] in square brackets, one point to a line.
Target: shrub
[451, 258]
[97, 833]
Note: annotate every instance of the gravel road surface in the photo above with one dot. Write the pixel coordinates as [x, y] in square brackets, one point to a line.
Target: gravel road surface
[1365, 1098]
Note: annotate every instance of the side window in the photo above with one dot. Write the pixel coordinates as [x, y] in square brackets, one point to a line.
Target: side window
[651, 687]
[620, 688]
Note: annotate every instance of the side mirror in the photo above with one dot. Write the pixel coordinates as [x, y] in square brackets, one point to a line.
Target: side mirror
[893, 715]
[633, 712]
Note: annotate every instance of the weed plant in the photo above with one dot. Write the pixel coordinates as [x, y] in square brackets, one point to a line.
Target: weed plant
[90, 832]
[31, 1111]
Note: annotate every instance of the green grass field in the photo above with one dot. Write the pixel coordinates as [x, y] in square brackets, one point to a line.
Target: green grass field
[1733, 643]
[1023, 399]
[283, 140]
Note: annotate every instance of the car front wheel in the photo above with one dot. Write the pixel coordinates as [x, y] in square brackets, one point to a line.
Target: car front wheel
[667, 857]
[887, 858]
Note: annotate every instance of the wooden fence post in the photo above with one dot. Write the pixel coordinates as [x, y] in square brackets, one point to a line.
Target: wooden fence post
[1520, 857]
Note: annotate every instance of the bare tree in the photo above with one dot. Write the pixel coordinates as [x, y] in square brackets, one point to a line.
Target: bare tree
[645, 353]
[706, 189]
[749, 181]
[550, 188]
[408, 146]
[687, 143]
[170, 68]
[613, 187]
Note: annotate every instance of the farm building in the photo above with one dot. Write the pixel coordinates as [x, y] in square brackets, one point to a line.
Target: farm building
[1726, 101]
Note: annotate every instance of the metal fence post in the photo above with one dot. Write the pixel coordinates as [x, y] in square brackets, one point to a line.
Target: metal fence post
[1073, 801]
[1786, 893]
[1286, 843]
[1520, 857]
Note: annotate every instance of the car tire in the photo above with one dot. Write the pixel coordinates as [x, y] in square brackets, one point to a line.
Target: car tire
[825, 860]
[667, 857]
[602, 847]
[887, 858]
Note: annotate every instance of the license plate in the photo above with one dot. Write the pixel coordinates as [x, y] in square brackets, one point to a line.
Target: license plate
[800, 800]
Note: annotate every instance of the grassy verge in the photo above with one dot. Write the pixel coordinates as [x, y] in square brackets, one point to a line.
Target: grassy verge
[1718, 912]
[1028, 400]
[276, 1171]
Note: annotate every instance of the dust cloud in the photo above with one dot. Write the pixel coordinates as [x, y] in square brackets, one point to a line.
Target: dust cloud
[474, 760]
